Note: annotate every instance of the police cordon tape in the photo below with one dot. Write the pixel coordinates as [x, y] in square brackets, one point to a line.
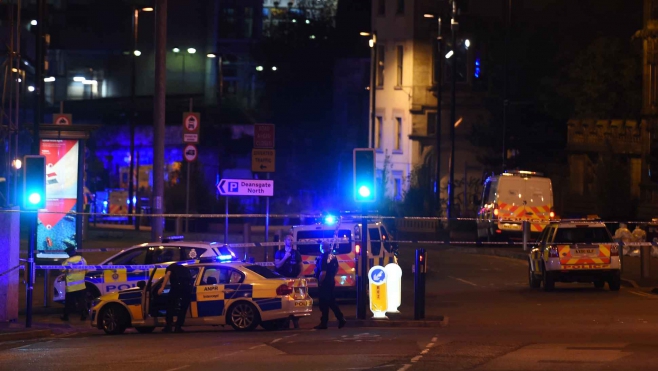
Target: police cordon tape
[320, 216]
[133, 268]
[12, 269]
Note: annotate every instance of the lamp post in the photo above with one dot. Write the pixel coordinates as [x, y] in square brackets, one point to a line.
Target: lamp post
[373, 84]
[134, 53]
[454, 26]
[437, 144]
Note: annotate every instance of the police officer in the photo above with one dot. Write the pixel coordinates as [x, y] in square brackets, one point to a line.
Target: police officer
[639, 235]
[288, 263]
[76, 291]
[326, 267]
[179, 294]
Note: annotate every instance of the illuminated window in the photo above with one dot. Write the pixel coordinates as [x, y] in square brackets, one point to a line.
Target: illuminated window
[381, 54]
[400, 57]
[379, 128]
[398, 134]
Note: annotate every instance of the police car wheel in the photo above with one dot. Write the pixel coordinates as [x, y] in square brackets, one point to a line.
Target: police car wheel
[145, 330]
[533, 280]
[243, 316]
[114, 319]
[548, 280]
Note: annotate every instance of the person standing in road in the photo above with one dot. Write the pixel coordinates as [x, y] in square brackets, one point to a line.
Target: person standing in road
[624, 236]
[179, 295]
[76, 290]
[326, 267]
[639, 235]
[288, 263]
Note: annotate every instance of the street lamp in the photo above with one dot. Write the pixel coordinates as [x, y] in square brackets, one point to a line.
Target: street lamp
[220, 76]
[437, 130]
[190, 51]
[133, 94]
[373, 82]
[454, 27]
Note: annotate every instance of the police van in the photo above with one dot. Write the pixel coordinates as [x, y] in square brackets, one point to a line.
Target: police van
[347, 248]
[510, 198]
[100, 282]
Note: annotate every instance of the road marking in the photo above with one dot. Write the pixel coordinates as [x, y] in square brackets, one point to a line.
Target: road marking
[257, 346]
[405, 367]
[424, 351]
[434, 339]
[416, 359]
[226, 354]
[178, 368]
[464, 281]
[643, 294]
[281, 338]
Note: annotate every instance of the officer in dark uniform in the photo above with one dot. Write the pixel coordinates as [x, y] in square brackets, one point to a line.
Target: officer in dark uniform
[179, 294]
[326, 267]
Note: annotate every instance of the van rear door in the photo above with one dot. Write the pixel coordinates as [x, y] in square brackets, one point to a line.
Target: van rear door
[538, 199]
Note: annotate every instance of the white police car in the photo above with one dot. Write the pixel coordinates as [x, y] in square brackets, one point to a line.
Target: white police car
[100, 282]
[242, 295]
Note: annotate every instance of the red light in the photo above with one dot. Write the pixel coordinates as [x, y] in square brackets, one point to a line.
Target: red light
[420, 258]
[498, 231]
[551, 214]
[357, 248]
[283, 290]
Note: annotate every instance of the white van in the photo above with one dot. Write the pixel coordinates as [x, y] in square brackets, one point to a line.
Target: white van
[510, 198]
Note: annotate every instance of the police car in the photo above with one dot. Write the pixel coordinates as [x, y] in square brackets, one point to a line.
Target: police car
[575, 251]
[101, 282]
[242, 295]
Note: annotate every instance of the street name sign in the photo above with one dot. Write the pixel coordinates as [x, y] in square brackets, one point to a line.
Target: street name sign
[262, 160]
[246, 187]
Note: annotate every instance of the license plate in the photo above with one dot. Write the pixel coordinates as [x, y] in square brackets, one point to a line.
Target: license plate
[302, 303]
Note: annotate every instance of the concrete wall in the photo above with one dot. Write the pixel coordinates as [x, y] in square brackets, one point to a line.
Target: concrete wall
[9, 246]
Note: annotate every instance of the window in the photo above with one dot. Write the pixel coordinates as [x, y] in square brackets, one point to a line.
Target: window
[163, 254]
[379, 128]
[398, 134]
[431, 123]
[381, 7]
[263, 271]
[582, 235]
[400, 57]
[133, 257]
[381, 54]
[311, 247]
[375, 247]
[400, 7]
[220, 276]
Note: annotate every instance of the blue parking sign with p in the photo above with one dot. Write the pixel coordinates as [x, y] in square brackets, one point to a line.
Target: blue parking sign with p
[233, 186]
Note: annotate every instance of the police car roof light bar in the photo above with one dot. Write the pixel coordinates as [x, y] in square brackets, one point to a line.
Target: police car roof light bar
[522, 173]
[173, 238]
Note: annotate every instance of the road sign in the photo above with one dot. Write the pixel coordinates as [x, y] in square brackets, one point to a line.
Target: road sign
[263, 135]
[191, 126]
[245, 187]
[62, 119]
[262, 160]
[190, 152]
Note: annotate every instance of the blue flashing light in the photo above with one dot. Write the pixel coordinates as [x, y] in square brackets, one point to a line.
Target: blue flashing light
[225, 257]
[364, 191]
[34, 198]
[104, 203]
[477, 68]
[134, 200]
[330, 219]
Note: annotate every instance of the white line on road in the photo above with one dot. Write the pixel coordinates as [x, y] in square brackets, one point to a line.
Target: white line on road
[257, 346]
[424, 351]
[643, 294]
[416, 359]
[405, 367]
[464, 281]
[281, 338]
[178, 368]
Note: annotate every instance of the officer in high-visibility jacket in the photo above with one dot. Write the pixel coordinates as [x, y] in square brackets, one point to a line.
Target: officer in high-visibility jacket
[76, 291]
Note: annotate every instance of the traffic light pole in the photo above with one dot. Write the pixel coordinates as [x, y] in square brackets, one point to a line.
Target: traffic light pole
[362, 279]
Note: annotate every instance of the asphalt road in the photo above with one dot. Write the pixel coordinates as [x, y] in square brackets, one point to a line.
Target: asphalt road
[495, 323]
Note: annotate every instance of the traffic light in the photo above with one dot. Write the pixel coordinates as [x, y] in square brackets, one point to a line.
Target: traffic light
[364, 175]
[34, 182]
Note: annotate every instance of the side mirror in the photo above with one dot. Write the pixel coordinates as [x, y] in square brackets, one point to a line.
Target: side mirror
[141, 284]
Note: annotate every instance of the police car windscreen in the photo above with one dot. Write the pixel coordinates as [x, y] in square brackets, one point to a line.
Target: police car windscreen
[310, 238]
[582, 235]
[262, 271]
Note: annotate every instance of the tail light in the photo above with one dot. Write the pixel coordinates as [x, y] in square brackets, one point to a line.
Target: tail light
[552, 252]
[357, 249]
[283, 290]
[496, 212]
[551, 214]
[614, 250]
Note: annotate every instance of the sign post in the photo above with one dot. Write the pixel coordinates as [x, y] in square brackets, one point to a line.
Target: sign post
[191, 128]
[378, 292]
[263, 161]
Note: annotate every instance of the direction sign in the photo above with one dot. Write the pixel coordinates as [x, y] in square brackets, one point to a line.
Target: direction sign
[62, 119]
[191, 126]
[262, 160]
[245, 187]
[263, 135]
[190, 152]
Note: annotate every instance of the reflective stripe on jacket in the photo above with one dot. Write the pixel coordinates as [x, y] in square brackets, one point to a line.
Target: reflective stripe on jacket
[75, 278]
